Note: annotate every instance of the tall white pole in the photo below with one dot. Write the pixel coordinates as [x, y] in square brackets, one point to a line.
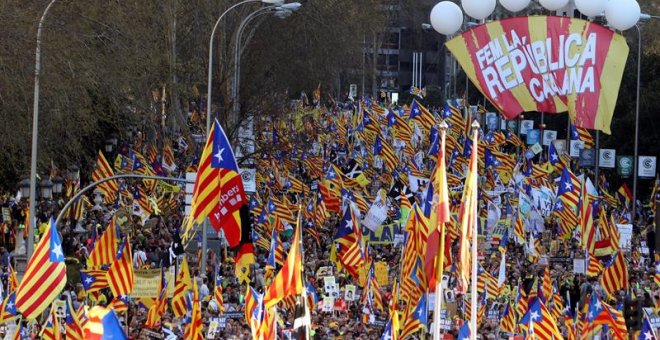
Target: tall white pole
[473, 210]
[205, 225]
[35, 136]
[635, 161]
[441, 251]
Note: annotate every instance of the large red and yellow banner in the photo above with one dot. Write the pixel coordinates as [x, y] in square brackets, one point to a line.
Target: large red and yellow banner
[546, 64]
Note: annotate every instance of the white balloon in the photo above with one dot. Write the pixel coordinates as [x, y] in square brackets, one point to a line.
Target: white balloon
[446, 17]
[553, 5]
[515, 5]
[622, 14]
[479, 9]
[591, 8]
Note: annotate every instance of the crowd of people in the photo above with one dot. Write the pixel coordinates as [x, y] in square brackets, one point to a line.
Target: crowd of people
[299, 150]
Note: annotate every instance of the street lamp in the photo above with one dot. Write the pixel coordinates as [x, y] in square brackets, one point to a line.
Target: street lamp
[98, 199]
[208, 97]
[281, 11]
[58, 183]
[642, 17]
[24, 187]
[210, 72]
[73, 173]
[46, 188]
[35, 134]
[110, 144]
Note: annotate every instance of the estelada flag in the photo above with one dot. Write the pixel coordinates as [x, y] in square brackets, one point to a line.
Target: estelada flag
[218, 191]
[546, 64]
[45, 275]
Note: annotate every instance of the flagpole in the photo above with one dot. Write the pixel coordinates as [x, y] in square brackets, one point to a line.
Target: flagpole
[473, 208]
[441, 252]
[303, 295]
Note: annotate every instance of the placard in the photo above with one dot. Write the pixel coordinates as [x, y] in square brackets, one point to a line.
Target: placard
[653, 318]
[526, 126]
[646, 166]
[6, 216]
[213, 328]
[607, 158]
[578, 266]
[376, 215]
[445, 323]
[549, 136]
[625, 235]
[147, 283]
[329, 284]
[560, 145]
[576, 146]
[491, 121]
[624, 166]
[248, 176]
[536, 148]
[512, 125]
[385, 234]
[349, 293]
[328, 304]
[533, 136]
[381, 270]
[324, 271]
[587, 158]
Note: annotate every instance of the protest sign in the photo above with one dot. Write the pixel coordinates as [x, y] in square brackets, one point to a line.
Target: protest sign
[328, 304]
[329, 284]
[147, 282]
[625, 235]
[578, 266]
[349, 292]
[375, 216]
[381, 270]
[324, 271]
[213, 328]
[383, 235]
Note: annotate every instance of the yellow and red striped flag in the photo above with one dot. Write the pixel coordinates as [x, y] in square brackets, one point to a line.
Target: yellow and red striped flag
[120, 275]
[468, 217]
[383, 149]
[193, 331]
[546, 285]
[288, 280]
[45, 275]
[119, 304]
[51, 330]
[218, 173]
[157, 310]
[105, 250]
[72, 325]
[12, 280]
[182, 286]
[422, 115]
[217, 295]
[206, 193]
[615, 275]
[104, 170]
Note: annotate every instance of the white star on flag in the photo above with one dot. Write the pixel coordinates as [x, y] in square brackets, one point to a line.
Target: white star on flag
[218, 155]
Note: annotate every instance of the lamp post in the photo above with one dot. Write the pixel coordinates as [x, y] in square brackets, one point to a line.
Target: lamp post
[35, 135]
[210, 71]
[283, 10]
[58, 183]
[46, 189]
[644, 17]
[205, 225]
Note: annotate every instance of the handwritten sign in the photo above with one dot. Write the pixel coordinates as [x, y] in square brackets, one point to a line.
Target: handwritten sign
[381, 270]
[147, 283]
